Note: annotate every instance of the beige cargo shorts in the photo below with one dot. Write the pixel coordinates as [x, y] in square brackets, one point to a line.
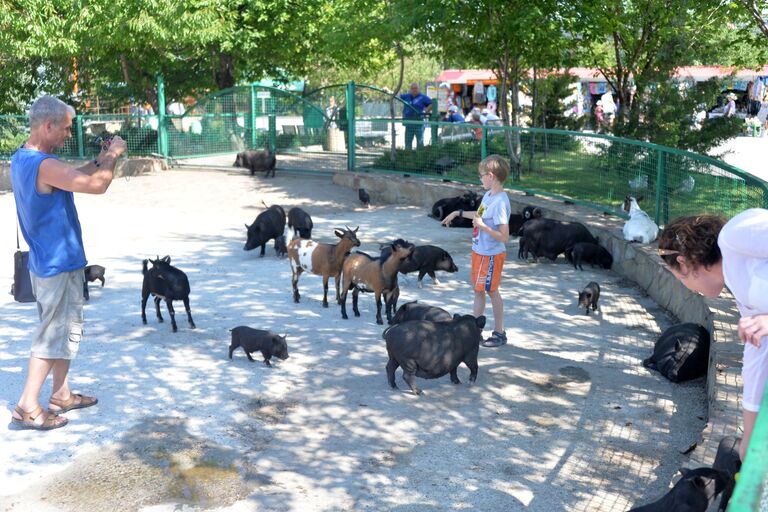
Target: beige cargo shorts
[60, 305]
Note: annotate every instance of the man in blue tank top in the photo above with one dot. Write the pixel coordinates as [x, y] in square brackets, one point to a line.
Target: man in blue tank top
[417, 106]
[43, 189]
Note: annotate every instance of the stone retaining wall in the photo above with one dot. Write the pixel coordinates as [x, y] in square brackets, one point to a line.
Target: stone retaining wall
[125, 167]
[638, 263]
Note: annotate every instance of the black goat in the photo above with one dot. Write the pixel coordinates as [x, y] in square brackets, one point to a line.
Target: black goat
[167, 282]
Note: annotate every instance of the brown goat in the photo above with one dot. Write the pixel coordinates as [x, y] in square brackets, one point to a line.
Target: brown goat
[379, 275]
[321, 259]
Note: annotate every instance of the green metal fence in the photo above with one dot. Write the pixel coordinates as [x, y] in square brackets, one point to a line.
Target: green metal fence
[591, 169]
[751, 493]
[358, 132]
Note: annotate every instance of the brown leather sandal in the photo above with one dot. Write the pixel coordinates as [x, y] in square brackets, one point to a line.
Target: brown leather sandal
[75, 401]
[27, 420]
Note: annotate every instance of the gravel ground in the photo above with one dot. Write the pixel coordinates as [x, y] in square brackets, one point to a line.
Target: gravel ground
[564, 417]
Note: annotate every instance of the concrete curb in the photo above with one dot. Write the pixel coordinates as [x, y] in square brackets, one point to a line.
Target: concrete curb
[638, 263]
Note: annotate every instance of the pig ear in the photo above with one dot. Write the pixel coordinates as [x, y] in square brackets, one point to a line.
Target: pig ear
[480, 321]
[684, 471]
[247, 226]
[700, 482]
[678, 346]
[167, 259]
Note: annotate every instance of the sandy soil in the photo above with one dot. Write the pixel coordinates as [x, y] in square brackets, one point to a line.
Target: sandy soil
[562, 418]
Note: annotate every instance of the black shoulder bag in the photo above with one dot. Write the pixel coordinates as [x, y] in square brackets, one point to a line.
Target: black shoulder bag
[22, 284]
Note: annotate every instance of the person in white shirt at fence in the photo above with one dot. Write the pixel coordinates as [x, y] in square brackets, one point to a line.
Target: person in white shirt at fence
[705, 253]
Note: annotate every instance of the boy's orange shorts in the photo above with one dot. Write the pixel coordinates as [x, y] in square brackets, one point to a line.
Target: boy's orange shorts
[486, 271]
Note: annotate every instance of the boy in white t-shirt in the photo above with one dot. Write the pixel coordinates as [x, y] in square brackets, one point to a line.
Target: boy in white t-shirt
[489, 236]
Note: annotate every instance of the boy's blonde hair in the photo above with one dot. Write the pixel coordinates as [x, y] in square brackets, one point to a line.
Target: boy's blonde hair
[497, 166]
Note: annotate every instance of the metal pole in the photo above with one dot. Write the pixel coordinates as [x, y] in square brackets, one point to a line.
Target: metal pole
[80, 144]
[350, 126]
[484, 143]
[435, 118]
[662, 208]
[162, 129]
[253, 116]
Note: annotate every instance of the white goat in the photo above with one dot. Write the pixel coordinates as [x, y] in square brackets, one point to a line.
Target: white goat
[639, 227]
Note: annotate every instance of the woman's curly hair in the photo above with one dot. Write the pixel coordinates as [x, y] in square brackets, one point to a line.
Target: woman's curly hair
[694, 238]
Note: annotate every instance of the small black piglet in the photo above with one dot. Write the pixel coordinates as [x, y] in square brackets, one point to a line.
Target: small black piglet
[585, 252]
[251, 340]
[589, 296]
[92, 273]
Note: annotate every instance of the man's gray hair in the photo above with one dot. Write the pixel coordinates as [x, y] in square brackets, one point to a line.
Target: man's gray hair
[47, 108]
[415, 84]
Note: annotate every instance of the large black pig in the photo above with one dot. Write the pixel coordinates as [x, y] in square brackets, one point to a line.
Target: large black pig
[415, 311]
[550, 238]
[426, 259]
[469, 202]
[262, 161]
[694, 492]
[268, 225]
[432, 349]
[681, 353]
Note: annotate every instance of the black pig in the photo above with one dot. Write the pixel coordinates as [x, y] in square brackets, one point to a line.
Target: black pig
[251, 340]
[92, 273]
[694, 492]
[589, 296]
[300, 222]
[415, 311]
[262, 161]
[432, 349]
[728, 461]
[426, 259]
[585, 252]
[550, 238]
[268, 225]
[469, 202]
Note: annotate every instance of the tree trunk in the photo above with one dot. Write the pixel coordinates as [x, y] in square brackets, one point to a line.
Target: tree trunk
[514, 77]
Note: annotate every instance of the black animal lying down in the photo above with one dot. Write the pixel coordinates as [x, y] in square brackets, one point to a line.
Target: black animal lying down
[694, 492]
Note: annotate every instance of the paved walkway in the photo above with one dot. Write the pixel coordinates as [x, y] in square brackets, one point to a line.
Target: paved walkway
[562, 418]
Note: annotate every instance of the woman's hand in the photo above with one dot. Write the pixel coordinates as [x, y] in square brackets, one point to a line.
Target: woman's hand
[753, 328]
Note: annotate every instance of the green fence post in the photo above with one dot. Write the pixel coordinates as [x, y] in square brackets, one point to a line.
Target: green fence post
[162, 129]
[80, 139]
[484, 143]
[272, 130]
[662, 198]
[350, 126]
[253, 116]
[435, 118]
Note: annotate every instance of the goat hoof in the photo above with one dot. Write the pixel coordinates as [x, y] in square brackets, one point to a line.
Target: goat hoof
[144, 321]
[192, 326]
[160, 320]
[379, 322]
[325, 304]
